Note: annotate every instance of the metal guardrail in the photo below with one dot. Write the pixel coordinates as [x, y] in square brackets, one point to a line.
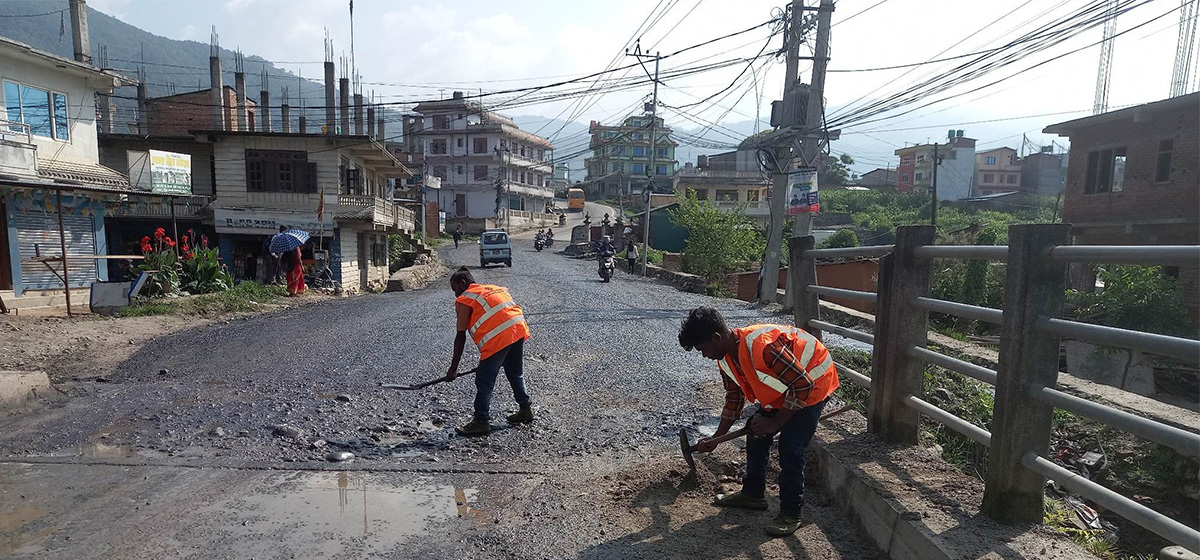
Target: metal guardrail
[866, 252]
[1025, 435]
[985, 314]
[855, 295]
[986, 252]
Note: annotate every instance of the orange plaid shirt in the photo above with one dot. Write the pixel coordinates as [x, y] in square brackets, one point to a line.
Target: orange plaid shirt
[780, 358]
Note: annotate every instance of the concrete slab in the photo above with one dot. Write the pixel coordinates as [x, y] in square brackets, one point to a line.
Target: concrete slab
[16, 387]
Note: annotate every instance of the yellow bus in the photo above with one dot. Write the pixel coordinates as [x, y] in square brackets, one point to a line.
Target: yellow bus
[575, 200]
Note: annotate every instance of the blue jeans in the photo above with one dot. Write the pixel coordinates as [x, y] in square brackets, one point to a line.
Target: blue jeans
[510, 358]
[793, 443]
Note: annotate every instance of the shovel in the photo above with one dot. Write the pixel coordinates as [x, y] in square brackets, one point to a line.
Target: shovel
[687, 448]
[424, 384]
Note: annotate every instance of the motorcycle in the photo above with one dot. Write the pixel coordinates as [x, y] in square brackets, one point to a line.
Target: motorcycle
[606, 262]
[549, 239]
[539, 241]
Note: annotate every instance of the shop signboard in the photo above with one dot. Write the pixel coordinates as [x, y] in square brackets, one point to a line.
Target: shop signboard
[161, 172]
[267, 223]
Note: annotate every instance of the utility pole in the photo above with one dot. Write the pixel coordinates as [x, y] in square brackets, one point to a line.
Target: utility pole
[647, 194]
[769, 280]
[934, 202]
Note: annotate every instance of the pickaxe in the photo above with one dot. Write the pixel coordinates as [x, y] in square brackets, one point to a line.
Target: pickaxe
[424, 384]
[687, 448]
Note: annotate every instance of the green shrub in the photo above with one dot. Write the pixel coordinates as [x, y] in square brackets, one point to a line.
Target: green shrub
[841, 238]
[1139, 298]
[718, 241]
[201, 272]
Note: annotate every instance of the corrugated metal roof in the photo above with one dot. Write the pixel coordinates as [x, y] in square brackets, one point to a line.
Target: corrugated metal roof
[83, 174]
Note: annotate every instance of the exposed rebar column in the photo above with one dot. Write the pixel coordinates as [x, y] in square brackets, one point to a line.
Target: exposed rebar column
[330, 103]
[358, 114]
[371, 121]
[344, 97]
[264, 104]
[143, 118]
[239, 86]
[379, 130]
[214, 81]
[79, 32]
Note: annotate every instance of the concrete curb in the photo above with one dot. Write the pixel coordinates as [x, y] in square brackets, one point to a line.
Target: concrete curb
[16, 387]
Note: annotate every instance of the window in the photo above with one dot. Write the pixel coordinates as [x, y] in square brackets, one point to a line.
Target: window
[662, 152]
[618, 150]
[637, 123]
[280, 171]
[480, 145]
[441, 122]
[991, 160]
[459, 170]
[1011, 179]
[618, 167]
[481, 172]
[639, 168]
[1162, 168]
[727, 196]
[920, 176]
[701, 194]
[753, 195]
[661, 170]
[904, 178]
[45, 112]
[459, 143]
[1105, 171]
[541, 155]
[920, 158]
[522, 151]
[638, 136]
[639, 151]
[989, 177]
[437, 147]
[607, 135]
[439, 171]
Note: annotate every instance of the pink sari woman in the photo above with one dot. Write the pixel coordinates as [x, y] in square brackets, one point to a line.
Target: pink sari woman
[292, 263]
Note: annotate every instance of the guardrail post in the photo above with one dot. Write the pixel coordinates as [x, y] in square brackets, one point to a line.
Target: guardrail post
[802, 271]
[1034, 286]
[899, 325]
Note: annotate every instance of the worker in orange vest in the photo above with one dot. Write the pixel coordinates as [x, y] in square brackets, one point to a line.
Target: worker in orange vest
[497, 325]
[789, 374]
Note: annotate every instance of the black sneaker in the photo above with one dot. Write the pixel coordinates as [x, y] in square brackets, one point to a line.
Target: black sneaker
[474, 428]
[523, 416]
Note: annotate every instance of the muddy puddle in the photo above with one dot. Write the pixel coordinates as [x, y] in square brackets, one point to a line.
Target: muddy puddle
[333, 507]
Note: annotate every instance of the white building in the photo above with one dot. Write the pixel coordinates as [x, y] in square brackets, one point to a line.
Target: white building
[50, 167]
[483, 159]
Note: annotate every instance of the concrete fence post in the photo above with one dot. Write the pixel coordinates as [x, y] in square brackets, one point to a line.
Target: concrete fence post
[899, 325]
[1034, 287]
[802, 271]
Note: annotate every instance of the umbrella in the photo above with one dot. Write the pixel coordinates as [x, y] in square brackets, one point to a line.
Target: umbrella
[288, 241]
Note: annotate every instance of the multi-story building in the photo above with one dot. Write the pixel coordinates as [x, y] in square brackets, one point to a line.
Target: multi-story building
[484, 160]
[731, 180]
[955, 173]
[997, 170]
[562, 176]
[620, 158]
[1044, 172]
[1134, 179]
[54, 192]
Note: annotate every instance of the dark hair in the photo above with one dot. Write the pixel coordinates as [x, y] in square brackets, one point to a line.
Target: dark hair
[282, 229]
[700, 326]
[463, 274]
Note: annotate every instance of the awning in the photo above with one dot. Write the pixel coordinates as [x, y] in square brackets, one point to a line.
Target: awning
[83, 174]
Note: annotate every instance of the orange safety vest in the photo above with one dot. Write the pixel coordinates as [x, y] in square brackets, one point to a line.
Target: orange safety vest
[759, 383]
[496, 320]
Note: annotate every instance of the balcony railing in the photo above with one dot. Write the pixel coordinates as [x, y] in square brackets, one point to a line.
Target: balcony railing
[382, 211]
[16, 131]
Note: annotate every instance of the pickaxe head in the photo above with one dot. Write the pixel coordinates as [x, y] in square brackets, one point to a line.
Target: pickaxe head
[686, 448]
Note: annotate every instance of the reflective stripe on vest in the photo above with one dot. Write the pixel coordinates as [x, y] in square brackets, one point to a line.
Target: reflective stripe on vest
[764, 387]
[494, 306]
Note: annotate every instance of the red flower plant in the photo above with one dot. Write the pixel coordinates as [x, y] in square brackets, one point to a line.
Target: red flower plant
[203, 241]
[169, 242]
[184, 239]
[159, 234]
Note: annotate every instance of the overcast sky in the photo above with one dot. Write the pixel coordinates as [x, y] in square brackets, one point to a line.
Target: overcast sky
[432, 48]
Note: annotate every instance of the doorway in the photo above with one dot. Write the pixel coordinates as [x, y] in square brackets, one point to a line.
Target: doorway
[460, 205]
[5, 258]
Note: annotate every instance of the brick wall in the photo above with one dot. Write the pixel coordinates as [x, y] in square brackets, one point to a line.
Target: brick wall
[177, 114]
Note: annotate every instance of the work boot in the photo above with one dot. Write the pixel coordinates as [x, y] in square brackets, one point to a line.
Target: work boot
[740, 500]
[474, 428]
[783, 525]
[523, 416]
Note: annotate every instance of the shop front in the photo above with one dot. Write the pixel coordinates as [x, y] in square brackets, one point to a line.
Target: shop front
[244, 237]
[31, 223]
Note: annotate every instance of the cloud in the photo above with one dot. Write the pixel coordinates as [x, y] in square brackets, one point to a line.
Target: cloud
[238, 5]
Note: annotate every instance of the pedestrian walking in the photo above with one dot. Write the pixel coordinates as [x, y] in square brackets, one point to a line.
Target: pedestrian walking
[275, 272]
[457, 234]
[497, 325]
[789, 374]
[631, 254]
[293, 263]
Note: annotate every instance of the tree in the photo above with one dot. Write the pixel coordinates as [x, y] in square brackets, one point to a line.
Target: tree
[840, 238]
[835, 173]
[1139, 298]
[718, 241]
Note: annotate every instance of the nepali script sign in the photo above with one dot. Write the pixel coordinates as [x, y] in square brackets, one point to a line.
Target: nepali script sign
[267, 223]
[161, 172]
[802, 191]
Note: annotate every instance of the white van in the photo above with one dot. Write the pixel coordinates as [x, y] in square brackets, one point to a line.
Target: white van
[495, 247]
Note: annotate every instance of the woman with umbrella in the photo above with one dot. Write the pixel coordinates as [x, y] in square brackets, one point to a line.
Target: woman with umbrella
[288, 244]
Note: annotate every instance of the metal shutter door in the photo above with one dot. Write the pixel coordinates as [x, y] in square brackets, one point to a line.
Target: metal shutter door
[42, 229]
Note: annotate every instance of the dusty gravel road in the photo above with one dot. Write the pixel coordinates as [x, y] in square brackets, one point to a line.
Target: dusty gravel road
[223, 455]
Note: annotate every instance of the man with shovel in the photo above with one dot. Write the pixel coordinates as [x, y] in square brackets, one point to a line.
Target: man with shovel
[789, 374]
[497, 325]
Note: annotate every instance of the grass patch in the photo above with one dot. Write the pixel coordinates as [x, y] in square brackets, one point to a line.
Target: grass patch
[247, 296]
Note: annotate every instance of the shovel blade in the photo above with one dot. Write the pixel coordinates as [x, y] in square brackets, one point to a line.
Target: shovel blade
[685, 447]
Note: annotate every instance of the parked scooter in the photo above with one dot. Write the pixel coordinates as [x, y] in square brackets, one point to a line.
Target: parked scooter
[605, 252]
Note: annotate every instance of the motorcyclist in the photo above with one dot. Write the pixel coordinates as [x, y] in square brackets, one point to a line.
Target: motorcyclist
[604, 251]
